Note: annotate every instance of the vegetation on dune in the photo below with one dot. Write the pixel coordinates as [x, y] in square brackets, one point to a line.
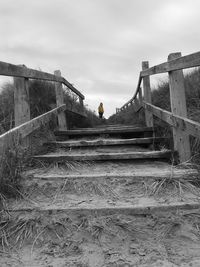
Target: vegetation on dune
[42, 99]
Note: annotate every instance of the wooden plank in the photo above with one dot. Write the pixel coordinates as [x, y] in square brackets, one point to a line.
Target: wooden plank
[139, 175]
[62, 120]
[147, 95]
[189, 61]
[136, 92]
[178, 107]
[102, 127]
[189, 126]
[26, 128]
[21, 101]
[137, 106]
[105, 131]
[92, 206]
[106, 142]
[73, 110]
[8, 69]
[81, 103]
[70, 86]
[104, 156]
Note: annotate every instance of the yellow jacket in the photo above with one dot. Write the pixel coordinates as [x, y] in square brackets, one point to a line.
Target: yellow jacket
[101, 109]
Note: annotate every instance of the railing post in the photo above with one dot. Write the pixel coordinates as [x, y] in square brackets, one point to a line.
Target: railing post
[21, 101]
[178, 107]
[81, 104]
[22, 112]
[147, 95]
[140, 96]
[140, 102]
[62, 121]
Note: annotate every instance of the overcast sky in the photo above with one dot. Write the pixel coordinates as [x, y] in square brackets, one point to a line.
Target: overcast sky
[97, 44]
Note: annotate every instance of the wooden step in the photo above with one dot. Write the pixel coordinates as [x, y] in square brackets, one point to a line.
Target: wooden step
[96, 131]
[101, 206]
[59, 157]
[106, 142]
[117, 126]
[136, 176]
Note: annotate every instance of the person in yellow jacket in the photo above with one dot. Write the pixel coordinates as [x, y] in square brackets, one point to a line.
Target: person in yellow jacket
[101, 110]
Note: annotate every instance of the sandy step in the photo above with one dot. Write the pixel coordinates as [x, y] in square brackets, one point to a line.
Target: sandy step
[97, 131]
[106, 142]
[145, 174]
[59, 157]
[114, 126]
[72, 204]
[109, 168]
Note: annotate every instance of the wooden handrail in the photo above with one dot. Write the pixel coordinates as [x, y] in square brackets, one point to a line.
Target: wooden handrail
[181, 126]
[185, 62]
[8, 69]
[189, 126]
[189, 61]
[27, 128]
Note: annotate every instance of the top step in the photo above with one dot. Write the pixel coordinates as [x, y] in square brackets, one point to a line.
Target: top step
[106, 130]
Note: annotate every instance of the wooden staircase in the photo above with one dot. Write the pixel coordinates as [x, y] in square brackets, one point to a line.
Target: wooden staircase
[102, 191]
[119, 159]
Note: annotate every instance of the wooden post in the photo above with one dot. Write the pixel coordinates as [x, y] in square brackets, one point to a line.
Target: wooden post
[62, 122]
[21, 101]
[178, 107]
[140, 96]
[21, 106]
[81, 104]
[147, 95]
[140, 102]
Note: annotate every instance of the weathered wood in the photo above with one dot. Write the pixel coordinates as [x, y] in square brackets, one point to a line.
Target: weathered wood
[136, 92]
[21, 101]
[137, 176]
[73, 110]
[105, 131]
[185, 62]
[188, 126]
[22, 104]
[178, 107]
[62, 120]
[140, 96]
[140, 114]
[147, 95]
[106, 142]
[189, 61]
[104, 156]
[26, 128]
[81, 103]
[137, 105]
[104, 208]
[8, 69]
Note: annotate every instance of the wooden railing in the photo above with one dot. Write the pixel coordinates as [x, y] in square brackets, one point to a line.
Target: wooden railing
[177, 118]
[24, 125]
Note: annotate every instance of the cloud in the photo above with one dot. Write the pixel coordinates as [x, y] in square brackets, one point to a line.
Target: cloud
[97, 44]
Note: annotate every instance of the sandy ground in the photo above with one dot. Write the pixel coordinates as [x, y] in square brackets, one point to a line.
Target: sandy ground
[169, 239]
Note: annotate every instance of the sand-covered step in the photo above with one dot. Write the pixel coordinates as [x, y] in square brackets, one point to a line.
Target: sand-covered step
[94, 156]
[182, 174]
[74, 204]
[114, 126]
[106, 142]
[139, 168]
[97, 131]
